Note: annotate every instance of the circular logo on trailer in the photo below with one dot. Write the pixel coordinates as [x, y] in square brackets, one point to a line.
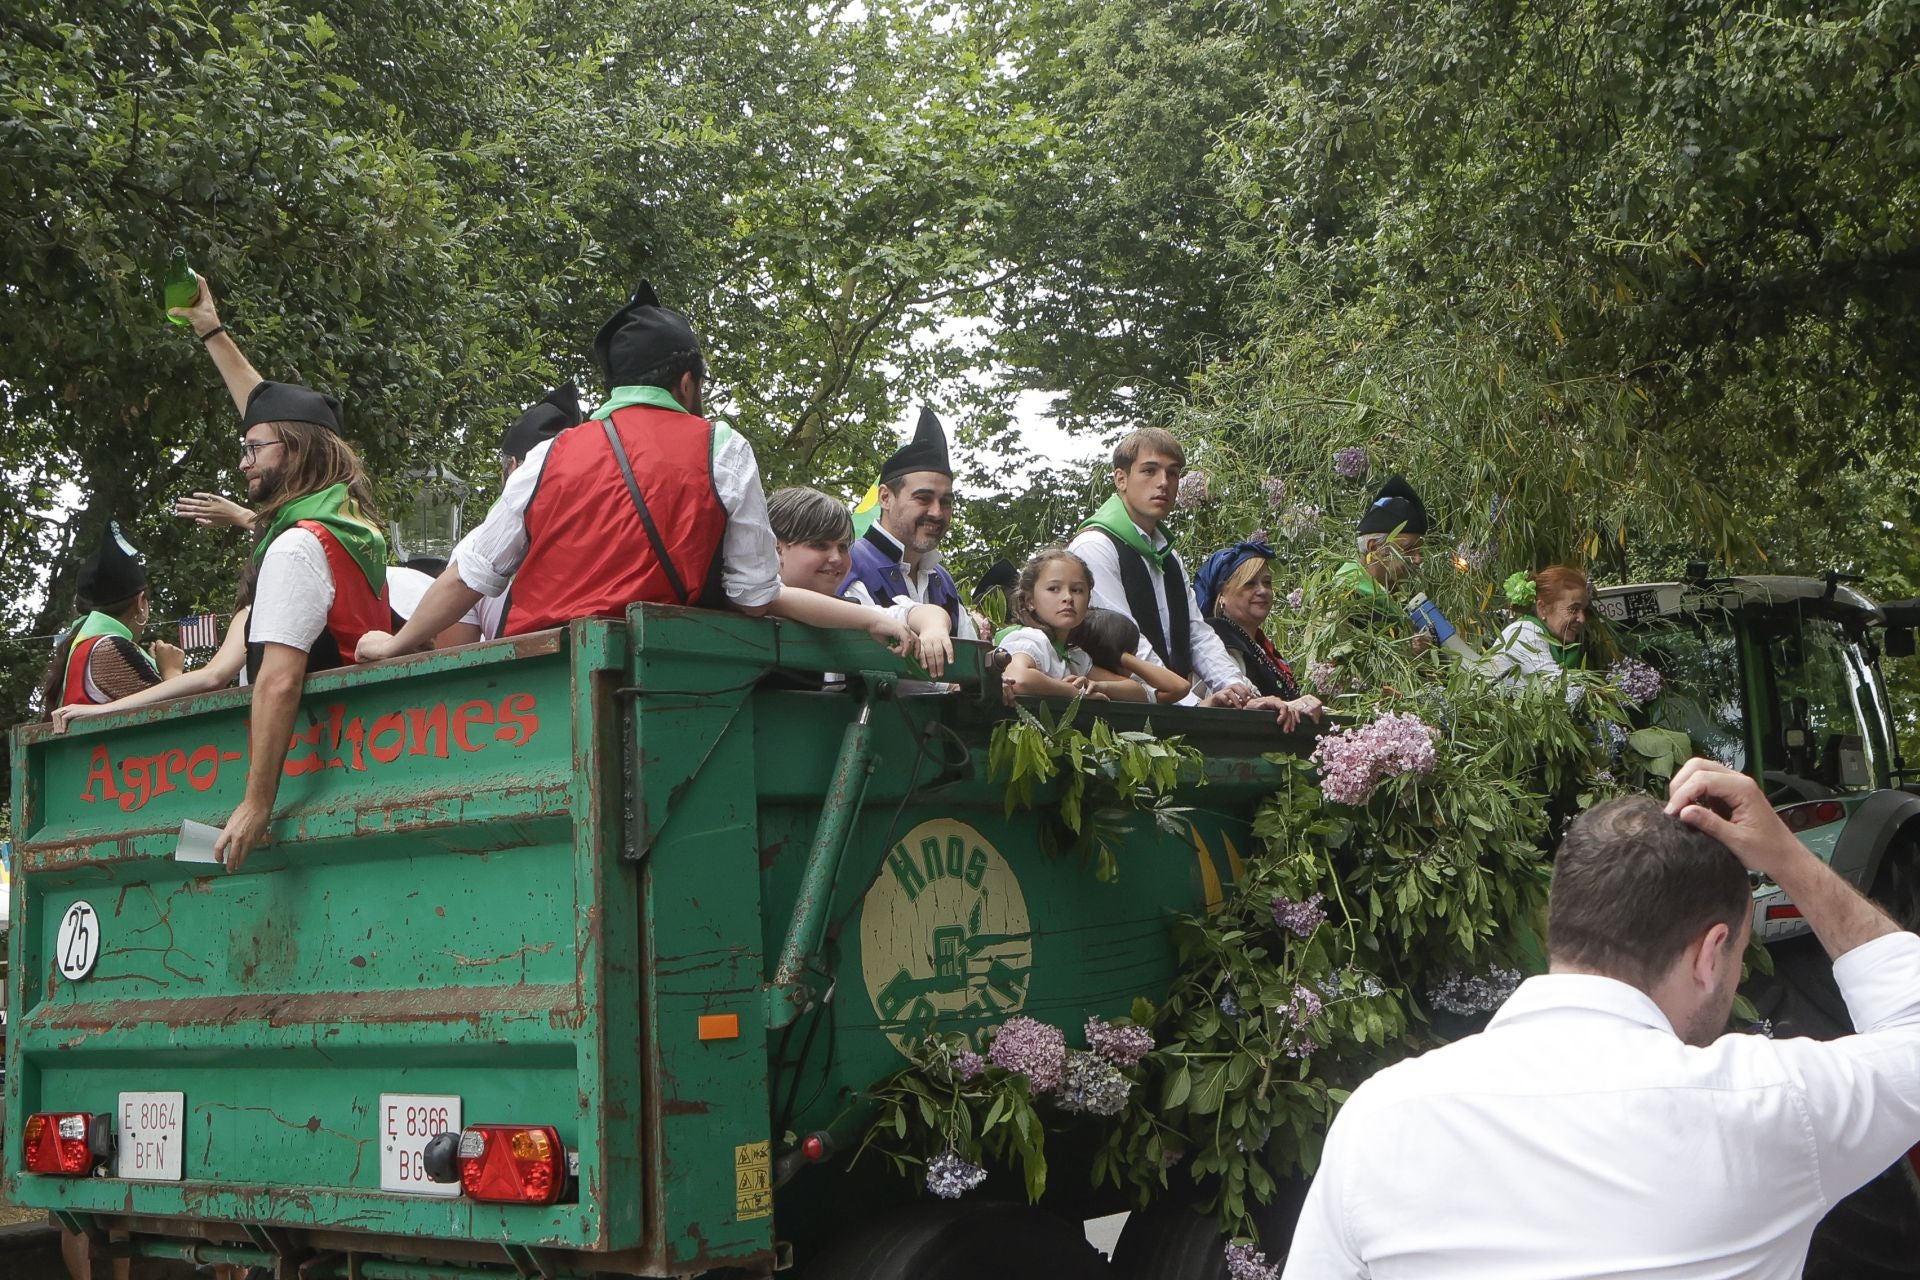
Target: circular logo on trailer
[78, 943]
[944, 934]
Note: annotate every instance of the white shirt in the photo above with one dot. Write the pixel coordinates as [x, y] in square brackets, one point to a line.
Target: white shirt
[749, 561]
[1212, 665]
[919, 580]
[1033, 642]
[1578, 1136]
[1522, 651]
[406, 586]
[293, 593]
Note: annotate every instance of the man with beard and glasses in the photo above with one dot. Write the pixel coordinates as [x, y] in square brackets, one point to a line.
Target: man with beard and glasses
[316, 580]
[1603, 1124]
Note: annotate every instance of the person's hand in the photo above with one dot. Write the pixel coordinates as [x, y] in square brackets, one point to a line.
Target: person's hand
[893, 633]
[170, 658]
[1310, 707]
[1087, 688]
[64, 716]
[1234, 695]
[245, 831]
[1285, 713]
[206, 509]
[201, 315]
[375, 646]
[1730, 807]
[935, 651]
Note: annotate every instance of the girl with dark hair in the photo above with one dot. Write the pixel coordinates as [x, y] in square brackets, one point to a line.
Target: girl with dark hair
[1112, 640]
[99, 658]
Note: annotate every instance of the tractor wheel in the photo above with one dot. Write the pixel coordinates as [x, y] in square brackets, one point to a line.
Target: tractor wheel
[962, 1242]
[1171, 1240]
[1874, 1233]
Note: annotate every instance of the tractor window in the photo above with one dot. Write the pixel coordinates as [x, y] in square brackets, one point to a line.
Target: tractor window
[1822, 734]
[1699, 664]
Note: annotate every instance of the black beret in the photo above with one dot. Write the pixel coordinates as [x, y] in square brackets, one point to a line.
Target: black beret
[290, 402]
[557, 410]
[115, 572]
[640, 337]
[1395, 507]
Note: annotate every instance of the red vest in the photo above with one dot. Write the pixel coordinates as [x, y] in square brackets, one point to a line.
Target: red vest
[76, 691]
[356, 610]
[588, 555]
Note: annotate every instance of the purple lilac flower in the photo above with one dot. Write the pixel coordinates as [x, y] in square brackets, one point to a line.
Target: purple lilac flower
[1481, 993]
[1276, 490]
[967, 1064]
[1299, 918]
[1301, 1047]
[1354, 761]
[1193, 491]
[1637, 682]
[1296, 599]
[1298, 519]
[1244, 1262]
[1350, 463]
[1604, 777]
[1122, 1046]
[1230, 1006]
[1305, 1005]
[950, 1175]
[1617, 734]
[1093, 1085]
[1032, 1048]
[1324, 676]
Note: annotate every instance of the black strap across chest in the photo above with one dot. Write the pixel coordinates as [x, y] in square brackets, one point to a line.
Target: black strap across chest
[1175, 650]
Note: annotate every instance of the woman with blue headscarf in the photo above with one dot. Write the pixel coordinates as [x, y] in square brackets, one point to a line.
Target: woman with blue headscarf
[1234, 589]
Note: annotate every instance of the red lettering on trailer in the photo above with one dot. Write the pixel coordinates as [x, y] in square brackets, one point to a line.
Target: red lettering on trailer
[336, 741]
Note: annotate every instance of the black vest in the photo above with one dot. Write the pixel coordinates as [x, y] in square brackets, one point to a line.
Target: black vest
[1137, 582]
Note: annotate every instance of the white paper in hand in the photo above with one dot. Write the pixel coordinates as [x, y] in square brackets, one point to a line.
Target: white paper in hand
[196, 842]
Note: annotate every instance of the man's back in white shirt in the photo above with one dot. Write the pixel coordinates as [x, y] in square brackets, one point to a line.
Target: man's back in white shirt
[1578, 1136]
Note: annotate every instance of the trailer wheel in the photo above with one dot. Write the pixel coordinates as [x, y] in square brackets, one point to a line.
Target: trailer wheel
[1172, 1240]
[1874, 1233]
[962, 1242]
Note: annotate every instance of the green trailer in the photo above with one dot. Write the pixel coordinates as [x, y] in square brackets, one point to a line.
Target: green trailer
[640, 903]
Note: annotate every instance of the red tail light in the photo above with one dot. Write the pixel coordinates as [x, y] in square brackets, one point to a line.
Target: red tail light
[1784, 911]
[512, 1163]
[56, 1142]
[1812, 813]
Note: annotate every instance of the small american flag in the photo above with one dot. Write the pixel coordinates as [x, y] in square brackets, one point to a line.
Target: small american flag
[202, 631]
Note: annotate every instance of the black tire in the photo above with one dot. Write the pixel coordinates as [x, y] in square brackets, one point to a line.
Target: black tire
[1874, 1233]
[1172, 1240]
[962, 1241]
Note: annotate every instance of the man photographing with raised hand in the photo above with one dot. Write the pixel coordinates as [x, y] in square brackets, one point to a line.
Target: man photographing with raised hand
[1602, 1124]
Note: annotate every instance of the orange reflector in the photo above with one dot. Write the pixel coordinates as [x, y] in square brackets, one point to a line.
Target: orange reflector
[719, 1026]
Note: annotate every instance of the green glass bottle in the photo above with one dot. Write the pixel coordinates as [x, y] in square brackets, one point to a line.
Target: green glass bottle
[179, 289]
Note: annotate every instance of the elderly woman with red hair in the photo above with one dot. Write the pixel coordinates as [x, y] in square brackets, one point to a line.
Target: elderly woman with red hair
[1547, 638]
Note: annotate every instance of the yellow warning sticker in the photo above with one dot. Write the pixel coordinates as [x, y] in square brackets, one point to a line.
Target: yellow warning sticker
[752, 1180]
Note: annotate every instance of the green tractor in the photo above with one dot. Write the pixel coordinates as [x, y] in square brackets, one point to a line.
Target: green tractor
[1780, 678]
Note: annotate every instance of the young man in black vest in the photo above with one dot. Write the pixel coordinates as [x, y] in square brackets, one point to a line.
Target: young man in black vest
[1137, 572]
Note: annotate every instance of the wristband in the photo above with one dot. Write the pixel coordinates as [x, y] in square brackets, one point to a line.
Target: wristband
[212, 333]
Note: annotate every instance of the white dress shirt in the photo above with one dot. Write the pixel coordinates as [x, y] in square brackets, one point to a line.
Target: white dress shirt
[1212, 665]
[1522, 650]
[749, 561]
[919, 580]
[1578, 1136]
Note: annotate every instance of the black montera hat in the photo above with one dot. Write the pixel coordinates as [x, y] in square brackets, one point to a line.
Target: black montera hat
[290, 402]
[557, 410]
[1395, 508]
[115, 572]
[927, 451]
[640, 337]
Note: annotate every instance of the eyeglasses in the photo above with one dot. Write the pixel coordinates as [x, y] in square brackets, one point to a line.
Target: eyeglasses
[250, 448]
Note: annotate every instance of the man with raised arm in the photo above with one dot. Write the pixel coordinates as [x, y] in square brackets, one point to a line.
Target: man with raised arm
[644, 501]
[1605, 1124]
